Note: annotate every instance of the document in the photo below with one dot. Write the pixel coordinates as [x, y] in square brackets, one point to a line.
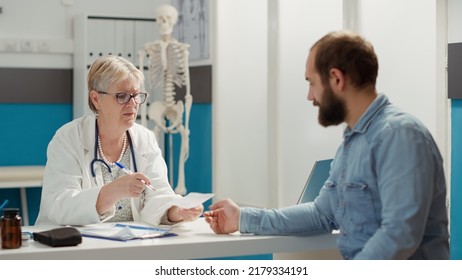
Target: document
[124, 232]
[192, 200]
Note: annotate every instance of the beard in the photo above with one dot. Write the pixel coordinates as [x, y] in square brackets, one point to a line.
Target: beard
[332, 110]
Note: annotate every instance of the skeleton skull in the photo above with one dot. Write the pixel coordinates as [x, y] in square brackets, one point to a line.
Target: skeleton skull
[166, 17]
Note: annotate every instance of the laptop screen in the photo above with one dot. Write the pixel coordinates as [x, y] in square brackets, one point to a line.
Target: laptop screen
[319, 174]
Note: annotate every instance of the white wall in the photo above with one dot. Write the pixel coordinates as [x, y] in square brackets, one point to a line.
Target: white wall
[52, 20]
[410, 40]
[239, 101]
[454, 21]
[301, 139]
[404, 34]
[266, 135]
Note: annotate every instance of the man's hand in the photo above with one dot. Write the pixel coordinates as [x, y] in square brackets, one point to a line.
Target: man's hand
[223, 216]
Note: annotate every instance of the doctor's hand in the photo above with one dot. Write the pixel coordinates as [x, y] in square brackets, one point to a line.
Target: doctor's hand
[223, 216]
[130, 185]
[178, 214]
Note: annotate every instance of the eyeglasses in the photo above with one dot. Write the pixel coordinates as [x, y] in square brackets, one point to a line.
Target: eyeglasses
[124, 97]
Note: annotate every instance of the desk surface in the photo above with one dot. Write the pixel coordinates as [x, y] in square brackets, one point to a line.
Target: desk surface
[195, 240]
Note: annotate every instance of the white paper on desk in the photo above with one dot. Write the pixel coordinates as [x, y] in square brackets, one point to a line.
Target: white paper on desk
[192, 200]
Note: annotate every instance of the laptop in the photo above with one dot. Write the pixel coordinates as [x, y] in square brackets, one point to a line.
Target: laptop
[319, 174]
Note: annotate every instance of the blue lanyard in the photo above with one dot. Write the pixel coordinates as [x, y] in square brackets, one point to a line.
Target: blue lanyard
[96, 159]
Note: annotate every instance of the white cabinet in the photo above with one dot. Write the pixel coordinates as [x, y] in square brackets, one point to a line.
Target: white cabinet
[97, 36]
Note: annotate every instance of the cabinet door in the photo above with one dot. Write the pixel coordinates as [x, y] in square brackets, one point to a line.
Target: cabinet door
[125, 39]
[101, 39]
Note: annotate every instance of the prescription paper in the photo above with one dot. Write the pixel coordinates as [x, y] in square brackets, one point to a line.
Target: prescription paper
[192, 200]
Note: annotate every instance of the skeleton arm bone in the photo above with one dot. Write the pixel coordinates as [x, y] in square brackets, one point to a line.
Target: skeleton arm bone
[188, 97]
[143, 108]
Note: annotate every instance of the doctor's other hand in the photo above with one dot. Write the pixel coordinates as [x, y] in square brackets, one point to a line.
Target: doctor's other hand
[223, 216]
[131, 185]
[178, 214]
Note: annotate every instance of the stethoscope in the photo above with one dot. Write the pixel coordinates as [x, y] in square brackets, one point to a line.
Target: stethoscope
[96, 159]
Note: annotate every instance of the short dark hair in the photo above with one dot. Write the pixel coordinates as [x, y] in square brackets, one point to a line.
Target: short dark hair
[351, 54]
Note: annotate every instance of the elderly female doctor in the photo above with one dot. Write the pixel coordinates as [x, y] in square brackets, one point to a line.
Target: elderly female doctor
[83, 185]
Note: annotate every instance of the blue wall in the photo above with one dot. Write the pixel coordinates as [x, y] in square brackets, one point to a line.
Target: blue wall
[28, 128]
[456, 179]
[198, 166]
[26, 131]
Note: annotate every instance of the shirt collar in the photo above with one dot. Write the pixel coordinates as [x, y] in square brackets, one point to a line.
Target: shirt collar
[365, 120]
[88, 133]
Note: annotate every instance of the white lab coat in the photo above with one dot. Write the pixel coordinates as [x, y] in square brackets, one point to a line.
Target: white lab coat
[70, 192]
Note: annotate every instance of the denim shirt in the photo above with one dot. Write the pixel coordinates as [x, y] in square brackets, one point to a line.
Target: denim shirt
[386, 193]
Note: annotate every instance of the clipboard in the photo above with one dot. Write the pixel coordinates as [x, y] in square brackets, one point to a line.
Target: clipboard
[126, 232]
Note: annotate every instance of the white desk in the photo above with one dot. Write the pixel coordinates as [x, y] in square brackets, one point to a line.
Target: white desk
[21, 177]
[195, 240]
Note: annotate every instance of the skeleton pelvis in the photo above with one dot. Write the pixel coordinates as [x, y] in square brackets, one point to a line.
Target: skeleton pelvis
[159, 112]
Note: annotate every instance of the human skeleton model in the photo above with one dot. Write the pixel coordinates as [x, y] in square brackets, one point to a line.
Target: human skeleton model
[168, 66]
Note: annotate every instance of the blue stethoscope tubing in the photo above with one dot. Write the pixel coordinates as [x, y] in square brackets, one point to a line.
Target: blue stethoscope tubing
[96, 159]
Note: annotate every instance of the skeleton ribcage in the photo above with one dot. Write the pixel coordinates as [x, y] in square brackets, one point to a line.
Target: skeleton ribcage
[174, 71]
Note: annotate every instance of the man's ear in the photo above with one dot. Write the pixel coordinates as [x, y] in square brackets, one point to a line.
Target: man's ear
[337, 79]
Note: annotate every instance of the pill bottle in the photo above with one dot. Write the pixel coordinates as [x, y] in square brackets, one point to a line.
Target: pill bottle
[11, 228]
